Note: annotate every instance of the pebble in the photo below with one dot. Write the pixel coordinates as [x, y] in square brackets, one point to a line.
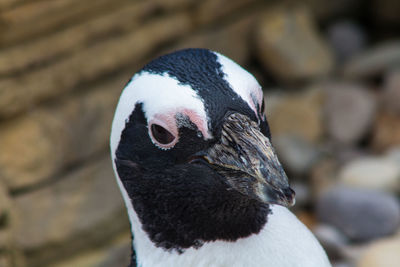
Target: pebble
[360, 214]
[346, 38]
[350, 112]
[378, 173]
[296, 154]
[374, 61]
[290, 47]
[381, 253]
[297, 114]
[386, 131]
[391, 91]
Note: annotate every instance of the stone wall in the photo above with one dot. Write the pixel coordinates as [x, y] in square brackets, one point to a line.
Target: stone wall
[63, 64]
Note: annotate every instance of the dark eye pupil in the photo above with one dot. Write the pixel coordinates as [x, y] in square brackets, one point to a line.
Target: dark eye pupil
[161, 134]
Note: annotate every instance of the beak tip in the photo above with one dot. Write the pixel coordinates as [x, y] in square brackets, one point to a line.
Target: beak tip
[290, 196]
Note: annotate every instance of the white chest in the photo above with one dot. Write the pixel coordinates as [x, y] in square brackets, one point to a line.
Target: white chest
[284, 242]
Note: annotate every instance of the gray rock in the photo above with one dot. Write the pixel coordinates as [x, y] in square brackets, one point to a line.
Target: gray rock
[372, 173]
[373, 62]
[350, 112]
[394, 155]
[360, 214]
[346, 38]
[296, 154]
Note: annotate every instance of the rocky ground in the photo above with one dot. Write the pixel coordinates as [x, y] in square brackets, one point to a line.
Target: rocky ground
[331, 77]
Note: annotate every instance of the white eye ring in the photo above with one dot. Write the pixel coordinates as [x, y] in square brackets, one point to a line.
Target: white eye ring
[161, 136]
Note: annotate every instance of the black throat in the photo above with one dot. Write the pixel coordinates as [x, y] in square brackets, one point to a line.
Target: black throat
[178, 210]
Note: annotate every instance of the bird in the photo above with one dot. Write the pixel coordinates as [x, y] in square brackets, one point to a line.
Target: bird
[192, 155]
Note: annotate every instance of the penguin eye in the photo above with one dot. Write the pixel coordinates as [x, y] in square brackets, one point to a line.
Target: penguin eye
[161, 135]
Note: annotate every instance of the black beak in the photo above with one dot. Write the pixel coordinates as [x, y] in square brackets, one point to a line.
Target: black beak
[246, 158]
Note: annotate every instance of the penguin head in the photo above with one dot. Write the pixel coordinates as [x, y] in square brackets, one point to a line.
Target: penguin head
[191, 149]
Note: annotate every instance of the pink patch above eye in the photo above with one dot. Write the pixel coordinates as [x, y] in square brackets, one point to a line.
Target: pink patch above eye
[168, 121]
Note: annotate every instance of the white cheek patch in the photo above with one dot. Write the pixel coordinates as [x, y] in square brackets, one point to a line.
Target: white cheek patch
[160, 94]
[242, 82]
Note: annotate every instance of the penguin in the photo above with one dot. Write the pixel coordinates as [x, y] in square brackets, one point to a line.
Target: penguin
[192, 155]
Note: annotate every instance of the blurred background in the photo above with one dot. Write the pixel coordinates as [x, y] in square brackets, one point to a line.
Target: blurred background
[331, 75]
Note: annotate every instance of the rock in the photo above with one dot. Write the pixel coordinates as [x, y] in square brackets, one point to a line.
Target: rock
[296, 154]
[374, 62]
[290, 47]
[115, 254]
[372, 173]
[56, 136]
[34, 18]
[350, 112]
[361, 215]
[232, 40]
[297, 114]
[326, 11]
[80, 210]
[346, 38]
[393, 154]
[65, 75]
[211, 10]
[381, 253]
[332, 240]
[323, 176]
[307, 218]
[386, 133]
[344, 154]
[391, 92]
[67, 41]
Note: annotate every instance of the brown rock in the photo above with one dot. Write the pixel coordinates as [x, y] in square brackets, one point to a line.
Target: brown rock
[323, 176]
[386, 132]
[37, 146]
[37, 17]
[67, 41]
[381, 253]
[4, 261]
[211, 10]
[83, 208]
[307, 218]
[326, 10]
[297, 114]
[232, 40]
[116, 253]
[290, 47]
[89, 64]
[374, 61]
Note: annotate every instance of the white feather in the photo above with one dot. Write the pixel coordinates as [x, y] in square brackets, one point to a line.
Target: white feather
[241, 81]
